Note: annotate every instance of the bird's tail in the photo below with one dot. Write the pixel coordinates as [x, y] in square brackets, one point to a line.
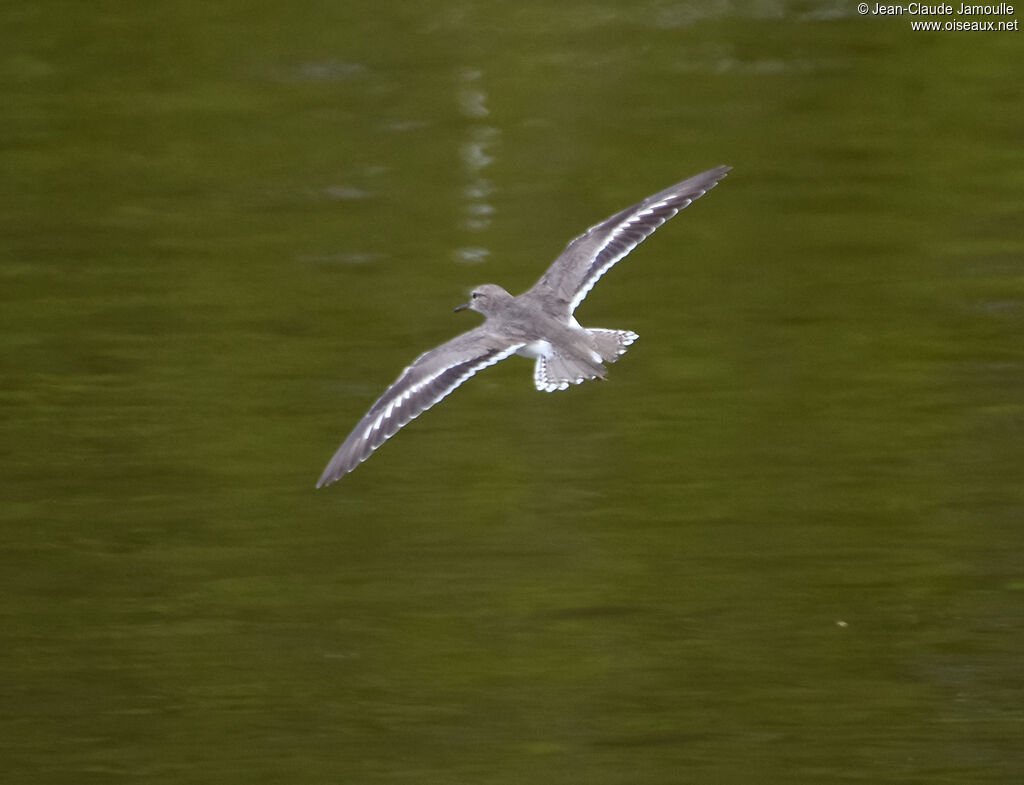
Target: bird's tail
[558, 371]
[611, 344]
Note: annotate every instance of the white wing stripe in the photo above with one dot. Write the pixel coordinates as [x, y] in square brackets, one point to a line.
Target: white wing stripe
[397, 411]
[649, 227]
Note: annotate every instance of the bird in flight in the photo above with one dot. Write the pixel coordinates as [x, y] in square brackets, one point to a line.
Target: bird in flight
[537, 324]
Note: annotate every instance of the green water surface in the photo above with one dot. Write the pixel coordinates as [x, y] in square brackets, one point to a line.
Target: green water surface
[783, 543]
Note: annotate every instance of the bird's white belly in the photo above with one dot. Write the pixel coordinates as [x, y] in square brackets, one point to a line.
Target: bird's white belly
[535, 349]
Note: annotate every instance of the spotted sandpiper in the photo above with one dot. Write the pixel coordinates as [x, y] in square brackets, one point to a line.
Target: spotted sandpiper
[538, 324]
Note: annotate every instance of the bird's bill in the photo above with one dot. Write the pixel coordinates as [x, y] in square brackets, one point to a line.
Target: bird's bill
[462, 307]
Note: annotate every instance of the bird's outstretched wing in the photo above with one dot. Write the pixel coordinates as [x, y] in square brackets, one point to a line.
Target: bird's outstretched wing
[589, 256]
[431, 377]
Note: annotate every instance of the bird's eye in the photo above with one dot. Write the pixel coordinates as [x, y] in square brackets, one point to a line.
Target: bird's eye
[474, 295]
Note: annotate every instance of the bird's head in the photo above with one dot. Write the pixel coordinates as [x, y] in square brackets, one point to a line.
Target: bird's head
[486, 299]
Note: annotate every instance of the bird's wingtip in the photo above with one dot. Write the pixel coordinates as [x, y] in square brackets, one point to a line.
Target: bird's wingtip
[326, 479]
